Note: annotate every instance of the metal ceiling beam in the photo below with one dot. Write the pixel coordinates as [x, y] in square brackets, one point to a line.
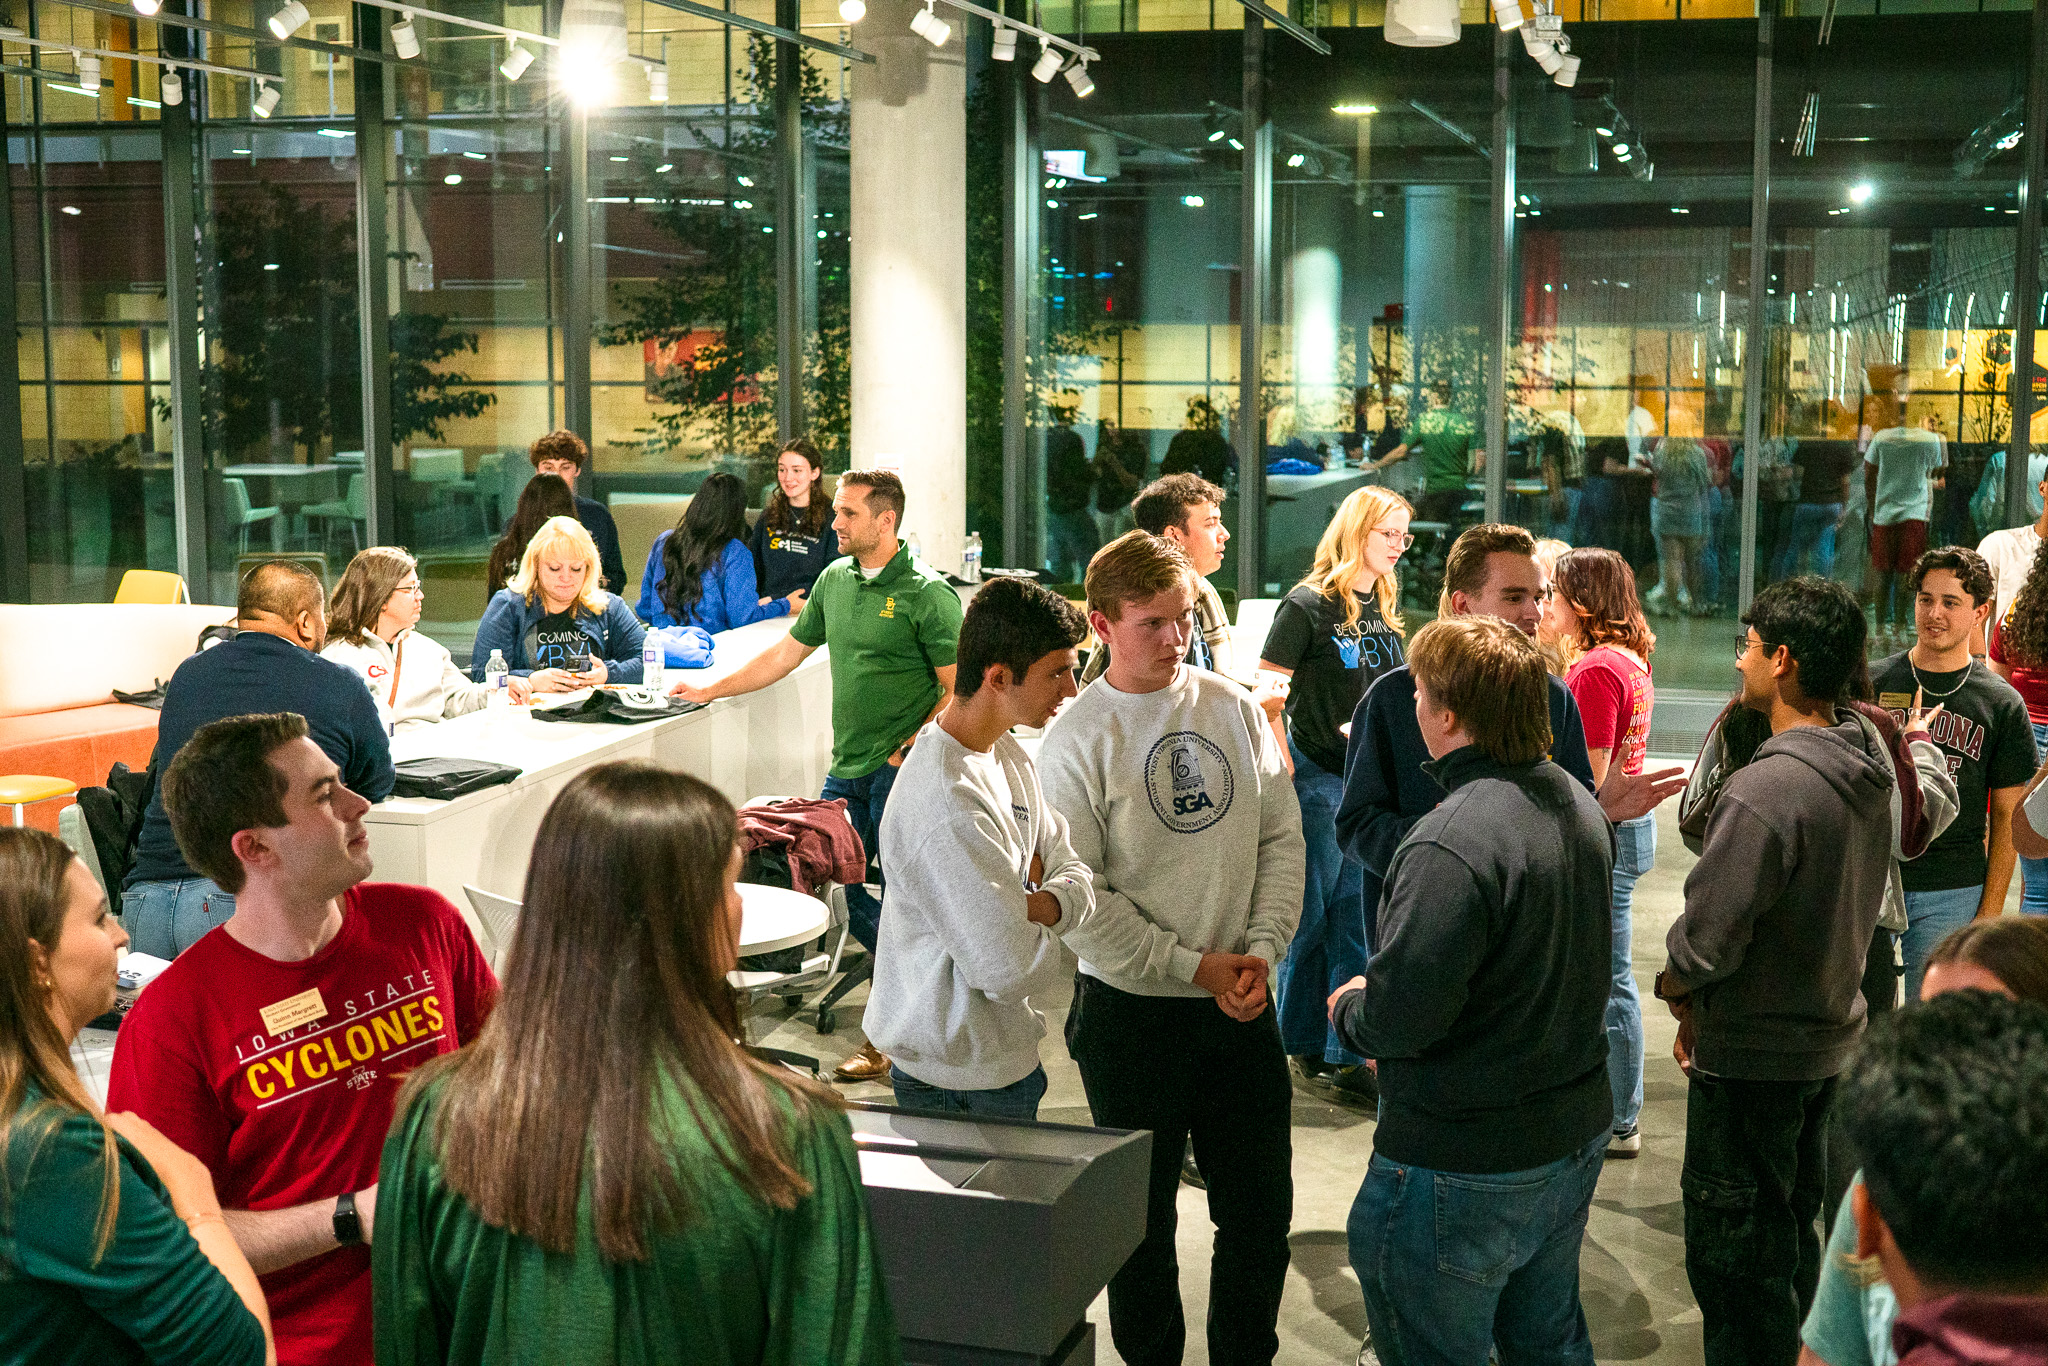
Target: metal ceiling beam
[851, 54]
[1286, 26]
[231, 30]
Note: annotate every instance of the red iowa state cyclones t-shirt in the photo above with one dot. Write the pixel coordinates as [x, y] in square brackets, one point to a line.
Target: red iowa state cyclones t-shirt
[286, 1118]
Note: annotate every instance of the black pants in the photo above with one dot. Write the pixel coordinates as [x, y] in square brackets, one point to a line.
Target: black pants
[1755, 1173]
[1183, 1069]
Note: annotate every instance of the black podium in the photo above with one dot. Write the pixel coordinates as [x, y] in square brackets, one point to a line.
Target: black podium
[997, 1235]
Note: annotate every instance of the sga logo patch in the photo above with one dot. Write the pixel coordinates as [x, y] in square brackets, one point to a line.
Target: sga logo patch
[1189, 781]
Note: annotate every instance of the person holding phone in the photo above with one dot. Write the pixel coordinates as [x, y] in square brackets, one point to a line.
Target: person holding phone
[556, 628]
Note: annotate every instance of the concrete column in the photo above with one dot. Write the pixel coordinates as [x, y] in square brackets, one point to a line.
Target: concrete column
[909, 269]
[1313, 303]
[1442, 283]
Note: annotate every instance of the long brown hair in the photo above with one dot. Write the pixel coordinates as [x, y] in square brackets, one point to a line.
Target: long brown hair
[357, 603]
[545, 496]
[818, 512]
[615, 1015]
[2012, 948]
[1600, 588]
[33, 1050]
[2023, 635]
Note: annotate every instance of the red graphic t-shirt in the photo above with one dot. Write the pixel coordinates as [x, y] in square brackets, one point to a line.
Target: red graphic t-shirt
[301, 1115]
[1614, 696]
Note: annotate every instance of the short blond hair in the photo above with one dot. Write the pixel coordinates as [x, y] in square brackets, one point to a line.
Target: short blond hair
[1492, 677]
[1132, 568]
[561, 533]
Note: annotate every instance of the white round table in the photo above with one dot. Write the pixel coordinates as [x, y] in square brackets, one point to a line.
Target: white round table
[774, 918]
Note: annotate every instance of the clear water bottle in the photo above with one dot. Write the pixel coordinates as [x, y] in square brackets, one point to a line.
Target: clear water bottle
[970, 558]
[497, 677]
[652, 666]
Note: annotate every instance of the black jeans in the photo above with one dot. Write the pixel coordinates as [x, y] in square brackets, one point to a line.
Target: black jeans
[1183, 1069]
[1754, 1177]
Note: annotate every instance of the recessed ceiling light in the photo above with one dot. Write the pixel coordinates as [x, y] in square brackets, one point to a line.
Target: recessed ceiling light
[73, 210]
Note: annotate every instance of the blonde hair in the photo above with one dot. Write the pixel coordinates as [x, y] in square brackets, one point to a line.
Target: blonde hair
[1340, 555]
[554, 533]
[1134, 567]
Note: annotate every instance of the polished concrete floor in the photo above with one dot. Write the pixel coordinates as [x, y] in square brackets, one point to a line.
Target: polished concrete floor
[1633, 1265]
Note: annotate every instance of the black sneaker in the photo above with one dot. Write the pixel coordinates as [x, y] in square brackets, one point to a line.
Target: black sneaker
[1356, 1085]
[1311, 1066]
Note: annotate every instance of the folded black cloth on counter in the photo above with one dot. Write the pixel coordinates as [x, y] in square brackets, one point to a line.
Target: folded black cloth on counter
[627, 707]
[442, 779]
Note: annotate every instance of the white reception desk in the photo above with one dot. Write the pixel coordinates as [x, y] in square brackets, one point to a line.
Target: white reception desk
[777, 741]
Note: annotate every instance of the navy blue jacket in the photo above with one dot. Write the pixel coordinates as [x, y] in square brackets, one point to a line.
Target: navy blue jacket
[788, 558]
[615, 637]
[731, 594]
[611, 561]
[255, 673]
[1386, 790]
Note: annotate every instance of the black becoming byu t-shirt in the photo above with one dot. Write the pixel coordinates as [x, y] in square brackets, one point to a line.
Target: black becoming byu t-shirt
[1984, 731]
[557, 642]
[1333, 665]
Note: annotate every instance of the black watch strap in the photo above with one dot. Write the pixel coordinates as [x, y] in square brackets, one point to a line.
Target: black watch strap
[348, 1225]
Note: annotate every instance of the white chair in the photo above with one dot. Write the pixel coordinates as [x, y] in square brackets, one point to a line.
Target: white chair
[242, 516]
[817, 970]
[1248, 635]
[72, 829]
[499, 916]
[353, 508]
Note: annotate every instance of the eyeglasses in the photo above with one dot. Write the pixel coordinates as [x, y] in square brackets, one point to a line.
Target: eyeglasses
[1400, 540]
[414, 589]
[1743, 642]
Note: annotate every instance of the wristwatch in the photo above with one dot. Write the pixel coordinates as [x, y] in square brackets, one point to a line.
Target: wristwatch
[1657, 988]
[348, 1225]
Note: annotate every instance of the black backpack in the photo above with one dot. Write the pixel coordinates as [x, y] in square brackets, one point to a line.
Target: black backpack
[113, 817]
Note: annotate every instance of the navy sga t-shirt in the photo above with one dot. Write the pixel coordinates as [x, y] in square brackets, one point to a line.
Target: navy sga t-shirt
[788, 558]
[1984, 732]
[1333, 665]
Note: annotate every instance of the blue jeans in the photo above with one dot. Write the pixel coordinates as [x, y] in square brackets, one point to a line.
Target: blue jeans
[1930, 916]
[167, 918]
[1018, 1100]
[1635, 853]
[1811, 541]
[1329, 944]
[1453, 1265]
[865, 797]
[2034, 871]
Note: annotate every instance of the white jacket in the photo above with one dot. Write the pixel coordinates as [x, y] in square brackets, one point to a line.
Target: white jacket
[413, 682]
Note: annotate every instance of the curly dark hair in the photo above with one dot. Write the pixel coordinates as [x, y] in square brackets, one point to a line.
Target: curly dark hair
[1946, 1103]
[717, 513]
[1972, 570]
[2023, 635]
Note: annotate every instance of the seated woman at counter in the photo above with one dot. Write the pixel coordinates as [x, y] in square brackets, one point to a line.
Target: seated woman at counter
[793, 540]
[370, 619]
[700, 572]
[555, 626]
[676, 1199]
[115, 1250]
[545, 496]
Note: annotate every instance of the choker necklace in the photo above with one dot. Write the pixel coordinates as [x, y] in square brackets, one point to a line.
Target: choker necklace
[1925, 692]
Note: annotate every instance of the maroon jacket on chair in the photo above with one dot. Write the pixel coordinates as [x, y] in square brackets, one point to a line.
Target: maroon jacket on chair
[815, 834]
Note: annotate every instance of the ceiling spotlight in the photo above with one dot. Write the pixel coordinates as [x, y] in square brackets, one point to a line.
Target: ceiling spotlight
[405, 39]
[657, 85]
[170, 88]
[1078, 77]
[1621, 149]
[290, 19]
[452, 178]
[1296, 159]
[1354, 109]
[88, 72]
[1605, 132]
[1508, 14]
[516, 61]
[1861, 192]
[927, 25]
[1422, 23]
[1567, 74]
[147, 8]
[1193, 201]
[1235, 145]
[1549, 58]
[1048, 64]
[1003, 47]
[266, 99]
[593, 44]
[852, 11]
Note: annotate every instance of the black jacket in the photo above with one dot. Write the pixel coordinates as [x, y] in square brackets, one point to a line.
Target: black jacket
[1486, 1003]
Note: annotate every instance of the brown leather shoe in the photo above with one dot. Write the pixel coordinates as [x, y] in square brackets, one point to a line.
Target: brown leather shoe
[866, 1065]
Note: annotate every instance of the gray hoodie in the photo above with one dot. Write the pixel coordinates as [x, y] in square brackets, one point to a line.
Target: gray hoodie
[1780, 909]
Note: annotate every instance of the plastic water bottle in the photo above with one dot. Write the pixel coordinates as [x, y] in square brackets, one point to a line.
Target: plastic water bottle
[497, 677]
[970, 558]
[652, 665]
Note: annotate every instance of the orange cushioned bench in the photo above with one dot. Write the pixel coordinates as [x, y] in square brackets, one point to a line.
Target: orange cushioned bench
[58, 718]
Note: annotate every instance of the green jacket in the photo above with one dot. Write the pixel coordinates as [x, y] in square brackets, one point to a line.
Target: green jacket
[741, 1281]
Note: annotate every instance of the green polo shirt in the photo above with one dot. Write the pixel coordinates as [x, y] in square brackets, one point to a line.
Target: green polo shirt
[887, 634]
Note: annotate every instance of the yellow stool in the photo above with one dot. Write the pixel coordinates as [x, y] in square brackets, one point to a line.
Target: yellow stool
[20, 790]
[151, 585]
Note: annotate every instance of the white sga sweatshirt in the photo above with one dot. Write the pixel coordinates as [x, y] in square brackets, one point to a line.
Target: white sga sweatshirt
[957, 958]
[1179, 801]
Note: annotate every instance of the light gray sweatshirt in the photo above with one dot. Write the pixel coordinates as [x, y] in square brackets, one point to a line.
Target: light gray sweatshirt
[1180, 803]
[957, 958]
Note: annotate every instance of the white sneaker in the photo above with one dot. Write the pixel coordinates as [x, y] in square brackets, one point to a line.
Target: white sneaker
[1628, 1144]
[1367, 1356]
